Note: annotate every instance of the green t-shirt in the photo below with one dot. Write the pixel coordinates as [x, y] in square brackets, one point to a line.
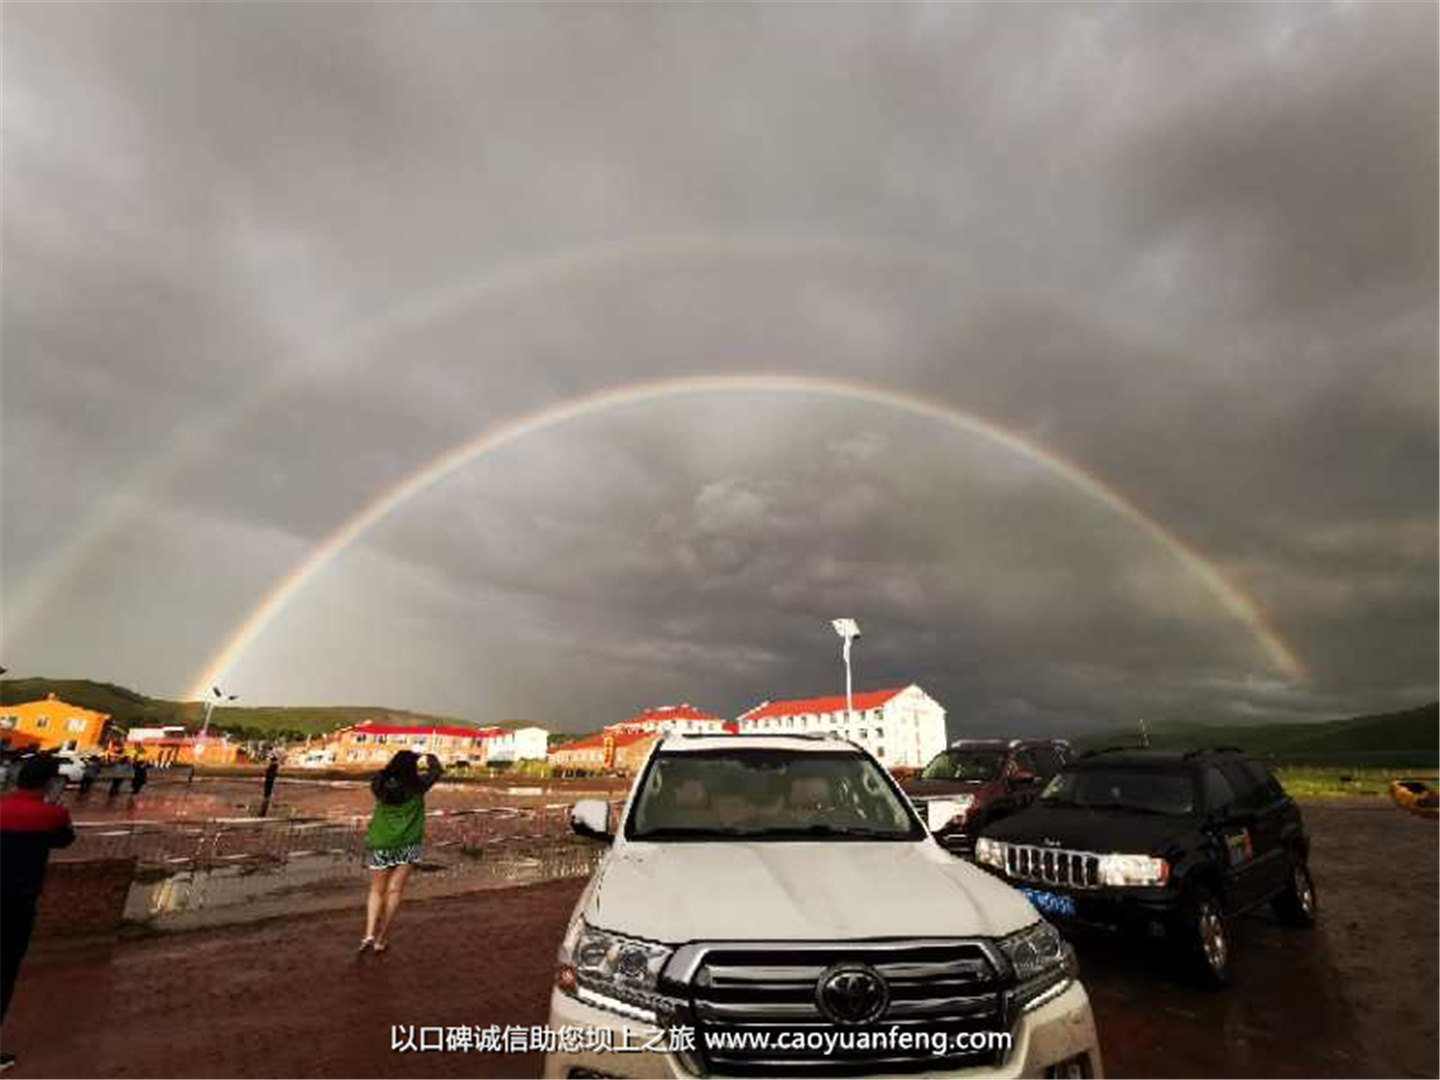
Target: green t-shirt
[397, 825]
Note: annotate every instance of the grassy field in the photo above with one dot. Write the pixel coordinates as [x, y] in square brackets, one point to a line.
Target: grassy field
[1311, 780]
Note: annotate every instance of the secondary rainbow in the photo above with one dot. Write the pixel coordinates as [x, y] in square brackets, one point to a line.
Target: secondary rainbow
[433, 472]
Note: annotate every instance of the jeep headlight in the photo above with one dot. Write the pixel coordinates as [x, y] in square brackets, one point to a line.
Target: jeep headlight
[1042, 961]
[1133, 870]
[990, 853]
[613, 972]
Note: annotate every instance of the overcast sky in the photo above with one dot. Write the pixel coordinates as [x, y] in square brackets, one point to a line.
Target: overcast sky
[263, 261]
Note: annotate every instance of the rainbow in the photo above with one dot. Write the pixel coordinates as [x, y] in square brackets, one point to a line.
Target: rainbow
[451, 461]
[203, 436]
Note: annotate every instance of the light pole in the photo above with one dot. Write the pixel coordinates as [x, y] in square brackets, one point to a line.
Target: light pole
[849, 630]
[210, 703]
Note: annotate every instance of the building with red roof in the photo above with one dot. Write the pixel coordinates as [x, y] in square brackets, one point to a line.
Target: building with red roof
[684, 718]
[904, 727]
[369, 744]
[611, 750]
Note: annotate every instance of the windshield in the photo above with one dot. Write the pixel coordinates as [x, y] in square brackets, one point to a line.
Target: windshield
[769, 794]
[965, 765]
[1142, 790]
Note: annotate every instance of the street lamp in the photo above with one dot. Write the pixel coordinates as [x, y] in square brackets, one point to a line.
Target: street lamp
[217, 697]
[849, 630]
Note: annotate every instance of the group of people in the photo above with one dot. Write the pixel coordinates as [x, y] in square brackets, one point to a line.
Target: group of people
[32, 824]
[95, 766]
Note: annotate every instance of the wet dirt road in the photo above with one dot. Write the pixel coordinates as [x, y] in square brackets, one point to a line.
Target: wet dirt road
[1356, 997]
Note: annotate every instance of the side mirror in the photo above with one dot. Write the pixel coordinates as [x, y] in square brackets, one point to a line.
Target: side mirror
[591, 818]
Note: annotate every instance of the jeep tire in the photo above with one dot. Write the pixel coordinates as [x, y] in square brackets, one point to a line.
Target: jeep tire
[1206, 938]
[1296, 904]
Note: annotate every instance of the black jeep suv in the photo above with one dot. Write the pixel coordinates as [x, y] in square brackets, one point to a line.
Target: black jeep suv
[1166, 843]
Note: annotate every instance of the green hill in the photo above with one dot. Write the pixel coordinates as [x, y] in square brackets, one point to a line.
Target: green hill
[128, 708]
[1410, 737]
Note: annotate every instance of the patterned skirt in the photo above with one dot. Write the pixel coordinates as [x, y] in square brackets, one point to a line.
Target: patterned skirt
[387, 858]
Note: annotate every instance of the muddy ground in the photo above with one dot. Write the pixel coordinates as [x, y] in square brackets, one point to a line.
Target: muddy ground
[1356, 997]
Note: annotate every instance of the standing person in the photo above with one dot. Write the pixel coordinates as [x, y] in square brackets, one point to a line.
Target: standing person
[89, 775]
[139, 774]
[397, 828]
[272, 770]
[29, 828]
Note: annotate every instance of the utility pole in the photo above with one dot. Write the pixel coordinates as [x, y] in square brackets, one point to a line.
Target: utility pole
[210, 703]
[849, 630]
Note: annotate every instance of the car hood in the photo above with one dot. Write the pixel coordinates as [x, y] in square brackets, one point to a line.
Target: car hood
[1078, 829]
[772, 891]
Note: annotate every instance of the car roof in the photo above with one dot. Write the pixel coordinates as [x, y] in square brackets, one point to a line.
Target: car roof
[802, 744]
[1003, 744]
[1132, 756]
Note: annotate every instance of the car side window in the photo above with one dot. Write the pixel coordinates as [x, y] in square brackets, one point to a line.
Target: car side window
[1047, 761]
[1267, 788]
[1024, 761]
[1249, 795]
[1218, 792]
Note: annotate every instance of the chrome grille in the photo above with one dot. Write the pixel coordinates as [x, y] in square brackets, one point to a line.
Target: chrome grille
[933, 985]
[1051, 866]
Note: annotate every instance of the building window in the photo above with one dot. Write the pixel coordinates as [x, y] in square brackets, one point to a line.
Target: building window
[75, 724]
[42, 721]
[7, 721]
[879, 751]
[863, 733]
[360, 738]
[879, 733]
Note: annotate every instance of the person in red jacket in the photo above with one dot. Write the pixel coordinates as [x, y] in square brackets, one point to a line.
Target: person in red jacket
[29, 828]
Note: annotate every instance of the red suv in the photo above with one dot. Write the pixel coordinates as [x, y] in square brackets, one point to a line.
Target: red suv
[977, 781]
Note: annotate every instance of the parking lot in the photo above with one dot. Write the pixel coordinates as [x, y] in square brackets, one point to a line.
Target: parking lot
[1357, 997]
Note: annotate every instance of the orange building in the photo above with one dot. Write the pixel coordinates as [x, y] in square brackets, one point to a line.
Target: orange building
[53, 724]
[605, 751]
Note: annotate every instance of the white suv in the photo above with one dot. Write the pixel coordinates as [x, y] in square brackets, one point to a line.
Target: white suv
[772, 905]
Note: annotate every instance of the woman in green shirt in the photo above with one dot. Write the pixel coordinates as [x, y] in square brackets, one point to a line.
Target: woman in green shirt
[397, 829]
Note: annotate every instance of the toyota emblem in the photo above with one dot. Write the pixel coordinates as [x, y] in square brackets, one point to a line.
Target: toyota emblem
[851, 994]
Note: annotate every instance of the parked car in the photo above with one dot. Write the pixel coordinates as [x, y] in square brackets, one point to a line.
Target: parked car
[1165, 843]
[977, 781]
[72, 765]
[764, 884]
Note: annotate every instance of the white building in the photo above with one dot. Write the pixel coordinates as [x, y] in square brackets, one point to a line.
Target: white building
[684, 718]
[519, 744]
[903, 727]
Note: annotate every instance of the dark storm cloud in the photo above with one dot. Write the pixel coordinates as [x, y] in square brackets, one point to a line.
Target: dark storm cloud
[1191, 248]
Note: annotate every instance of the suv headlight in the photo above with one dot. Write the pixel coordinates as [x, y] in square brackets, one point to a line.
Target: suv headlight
[1042, 961]
[613, 972]
[1132, 870]
[990, 853]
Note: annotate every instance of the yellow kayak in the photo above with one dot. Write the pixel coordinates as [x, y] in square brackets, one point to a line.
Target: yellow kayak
[1416, 796]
